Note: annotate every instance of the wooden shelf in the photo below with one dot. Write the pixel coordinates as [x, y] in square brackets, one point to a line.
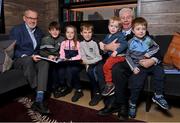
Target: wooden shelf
[98, 3]
[100, 26]
[89, 8]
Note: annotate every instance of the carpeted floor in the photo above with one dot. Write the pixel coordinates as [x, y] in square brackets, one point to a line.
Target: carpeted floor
[19, 111]
[13, 111]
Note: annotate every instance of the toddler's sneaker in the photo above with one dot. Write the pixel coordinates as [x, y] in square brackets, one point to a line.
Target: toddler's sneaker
[109, 89]
[132, 110]
[159, 99]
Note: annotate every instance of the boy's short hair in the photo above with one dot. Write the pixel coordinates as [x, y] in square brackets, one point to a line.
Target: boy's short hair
[54, 25]
[87, 26]
[115, 18]
[139, 21]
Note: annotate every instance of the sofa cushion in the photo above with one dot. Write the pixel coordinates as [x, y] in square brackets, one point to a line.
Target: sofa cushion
[5, 61]
[11, 79]
[6, 54]
[172, 55]
[8, 47]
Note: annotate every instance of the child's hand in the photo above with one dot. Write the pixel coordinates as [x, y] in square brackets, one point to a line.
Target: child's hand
[146, 55]
[51, 57]
[101, 44]
[136, 70]
[114, 53]
[87, 66]
[146, 63]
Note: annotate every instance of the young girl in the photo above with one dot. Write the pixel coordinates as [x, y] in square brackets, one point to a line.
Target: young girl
[70, 51]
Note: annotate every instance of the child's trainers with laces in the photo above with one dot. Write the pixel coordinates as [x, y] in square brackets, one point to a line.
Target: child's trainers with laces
[132, 110]
[159, 99]
[109, 89]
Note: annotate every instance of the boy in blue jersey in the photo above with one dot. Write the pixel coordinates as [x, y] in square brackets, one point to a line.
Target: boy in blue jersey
[142, 46]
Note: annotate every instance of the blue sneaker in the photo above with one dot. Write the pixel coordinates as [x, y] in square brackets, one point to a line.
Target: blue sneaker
[159, 99]
[132, 110]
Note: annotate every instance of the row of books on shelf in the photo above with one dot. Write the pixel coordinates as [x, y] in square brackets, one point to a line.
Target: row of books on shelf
[75, 1]
[69, 15]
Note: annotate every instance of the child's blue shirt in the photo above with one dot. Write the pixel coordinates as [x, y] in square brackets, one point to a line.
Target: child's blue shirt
[120, 38]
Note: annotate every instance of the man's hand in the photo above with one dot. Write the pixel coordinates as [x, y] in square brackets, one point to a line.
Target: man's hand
[114, 53]
[146, 63]
[111, 46]
[36, 58]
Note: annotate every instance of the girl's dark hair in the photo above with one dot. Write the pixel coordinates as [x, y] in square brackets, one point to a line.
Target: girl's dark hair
[54, 24]
[75, 33]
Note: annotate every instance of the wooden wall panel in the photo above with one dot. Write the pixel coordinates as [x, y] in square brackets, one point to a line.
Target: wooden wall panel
[163, 16]
[47, 9]
[160, 6]
[168, 29]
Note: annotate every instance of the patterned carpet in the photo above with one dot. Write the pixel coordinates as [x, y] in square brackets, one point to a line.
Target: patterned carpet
[19, 111]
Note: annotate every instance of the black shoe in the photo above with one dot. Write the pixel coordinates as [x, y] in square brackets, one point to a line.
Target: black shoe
[77, 95]
[57, 92]
[123, 113]
[40, 107]
[95, 100]
[65, 91]
[107, 110]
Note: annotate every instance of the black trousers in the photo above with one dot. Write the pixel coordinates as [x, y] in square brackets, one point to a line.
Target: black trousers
[120, 75]
[36, 73]
[137, 81]
[92, 73]
[57, 75]
[70, 70]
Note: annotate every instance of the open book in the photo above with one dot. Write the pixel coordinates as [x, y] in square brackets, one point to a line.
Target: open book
[58, 60]
[55, 61]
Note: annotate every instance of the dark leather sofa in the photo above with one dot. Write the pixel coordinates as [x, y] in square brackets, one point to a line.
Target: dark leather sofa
[172, 83]
[11, 79]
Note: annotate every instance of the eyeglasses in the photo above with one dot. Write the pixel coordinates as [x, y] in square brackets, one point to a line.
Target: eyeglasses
[31, 18]
[126, 18]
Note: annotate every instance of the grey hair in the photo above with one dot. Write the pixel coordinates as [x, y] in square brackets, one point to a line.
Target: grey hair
[28, 10]
[124, 10]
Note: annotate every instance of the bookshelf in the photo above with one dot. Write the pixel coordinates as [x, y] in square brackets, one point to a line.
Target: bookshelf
[96, 12]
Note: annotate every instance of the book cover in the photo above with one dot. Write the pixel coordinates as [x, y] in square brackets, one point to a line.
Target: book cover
[55, 61]
[58, 60]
